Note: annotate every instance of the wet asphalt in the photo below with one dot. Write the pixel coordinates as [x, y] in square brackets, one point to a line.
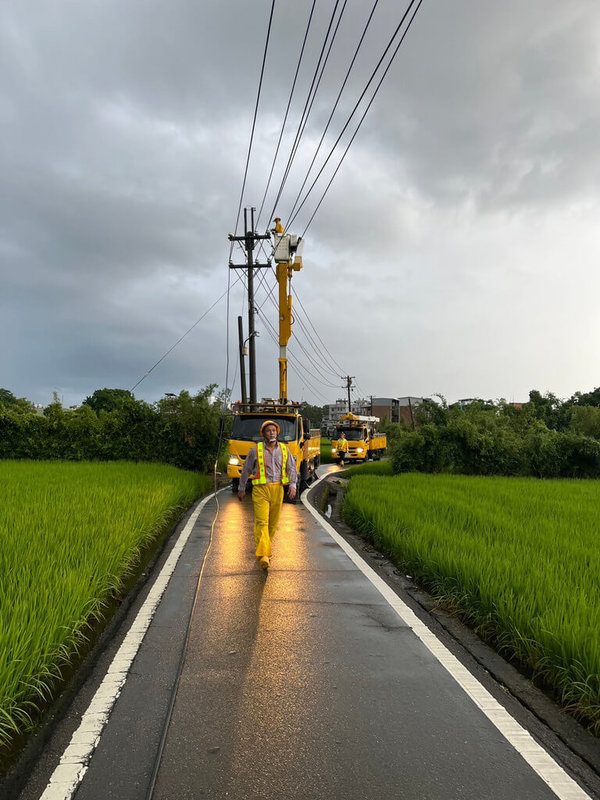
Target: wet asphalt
[300, 683]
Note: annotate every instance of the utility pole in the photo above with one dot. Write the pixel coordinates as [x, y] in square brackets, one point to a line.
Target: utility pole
[242, 364]
[249, 238]
[348, 385]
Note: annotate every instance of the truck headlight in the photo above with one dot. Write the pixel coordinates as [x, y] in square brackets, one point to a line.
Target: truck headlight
[234, 461]
[359, 450]
[334, 449]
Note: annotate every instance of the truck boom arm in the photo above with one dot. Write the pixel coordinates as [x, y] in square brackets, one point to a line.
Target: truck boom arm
[284, 276]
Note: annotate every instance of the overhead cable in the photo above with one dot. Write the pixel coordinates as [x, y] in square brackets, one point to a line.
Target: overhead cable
[262, 71]
[326, 380]
[226, 292]
[361, 121]
[294, 362]
[287, 111]
[335, 105]
[273, 334]
[321, 73]
[298, 320]
[358, 102]
[317, 334]
[304, 112]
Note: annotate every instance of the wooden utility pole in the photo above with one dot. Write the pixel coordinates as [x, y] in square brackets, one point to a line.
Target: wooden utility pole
[249, 238]
[348, 385]
[242, 363]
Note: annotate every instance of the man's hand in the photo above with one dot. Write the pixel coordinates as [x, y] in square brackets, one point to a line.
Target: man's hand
[241, 495]
[292, 492]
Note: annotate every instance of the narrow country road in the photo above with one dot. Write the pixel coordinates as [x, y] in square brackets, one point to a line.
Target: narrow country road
[308, 682]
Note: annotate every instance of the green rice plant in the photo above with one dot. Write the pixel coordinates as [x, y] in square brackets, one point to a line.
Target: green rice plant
[518, 557]
[70, 533]
[326, 451]
[371, 468]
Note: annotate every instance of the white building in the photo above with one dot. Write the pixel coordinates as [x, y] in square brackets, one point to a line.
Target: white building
[333, 412]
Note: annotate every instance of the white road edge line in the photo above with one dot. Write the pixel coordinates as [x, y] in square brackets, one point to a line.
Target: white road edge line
[534, 754]
[75, 760]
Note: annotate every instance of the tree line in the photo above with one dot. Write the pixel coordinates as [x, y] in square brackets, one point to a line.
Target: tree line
[111, 424]
[182, 430]
[546, 438]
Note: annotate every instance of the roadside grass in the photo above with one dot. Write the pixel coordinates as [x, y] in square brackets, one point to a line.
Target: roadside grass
[519, 558]
[70, 533]
[326, 451]
[371, 468]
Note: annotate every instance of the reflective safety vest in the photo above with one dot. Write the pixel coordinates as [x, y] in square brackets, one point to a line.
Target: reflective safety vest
[342, 445]
[261, 474]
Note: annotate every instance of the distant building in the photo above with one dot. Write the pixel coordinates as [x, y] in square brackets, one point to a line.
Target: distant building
[385, 407]
[465, 402]
[408, 408]
[332, 413]
[394, 409]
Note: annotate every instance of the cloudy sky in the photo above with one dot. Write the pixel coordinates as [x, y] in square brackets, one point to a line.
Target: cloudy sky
[456, 251]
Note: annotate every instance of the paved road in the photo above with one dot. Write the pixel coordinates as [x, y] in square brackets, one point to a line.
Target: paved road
[304, 683]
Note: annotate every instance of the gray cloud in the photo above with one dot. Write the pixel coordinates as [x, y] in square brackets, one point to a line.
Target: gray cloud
[456, 250]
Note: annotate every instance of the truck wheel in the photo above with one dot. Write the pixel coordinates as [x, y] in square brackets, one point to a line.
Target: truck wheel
[235, 485]
[302, 478]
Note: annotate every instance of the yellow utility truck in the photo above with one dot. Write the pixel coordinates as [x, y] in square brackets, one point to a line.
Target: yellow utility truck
[363, 440]
[303, 443]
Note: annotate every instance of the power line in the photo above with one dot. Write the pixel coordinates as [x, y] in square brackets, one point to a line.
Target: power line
[317, 334]
[273, 334]
[335, 105]
[325, 379]
[304, 113]
[262, 71]
[311, 341]
[287, 110]
[226, 292]
[360, 122]
[320, 77]
[317, 366]
[358, 102]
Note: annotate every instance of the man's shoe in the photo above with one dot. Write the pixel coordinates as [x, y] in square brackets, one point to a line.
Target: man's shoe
[264, 562]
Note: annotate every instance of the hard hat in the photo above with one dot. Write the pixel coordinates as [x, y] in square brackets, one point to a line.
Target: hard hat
[270, 422]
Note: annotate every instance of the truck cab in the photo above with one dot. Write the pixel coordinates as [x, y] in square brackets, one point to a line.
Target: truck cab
[303, 443]
[364, 441]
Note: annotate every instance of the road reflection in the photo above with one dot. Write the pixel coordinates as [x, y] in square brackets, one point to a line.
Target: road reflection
[264, 619]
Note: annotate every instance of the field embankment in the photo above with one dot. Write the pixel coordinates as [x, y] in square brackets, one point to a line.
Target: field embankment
[519, 557]
[70, 534]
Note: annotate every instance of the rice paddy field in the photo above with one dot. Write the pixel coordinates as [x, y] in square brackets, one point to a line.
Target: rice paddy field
[70, 534]
[326, 451]
[371, 468]
[518, 557]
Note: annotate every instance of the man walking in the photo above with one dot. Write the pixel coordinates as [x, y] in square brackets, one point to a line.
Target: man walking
[342, 447]
[271, 467]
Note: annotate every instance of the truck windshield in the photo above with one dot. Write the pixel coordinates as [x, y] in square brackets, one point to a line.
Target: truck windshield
[247, 427]
[353, 434]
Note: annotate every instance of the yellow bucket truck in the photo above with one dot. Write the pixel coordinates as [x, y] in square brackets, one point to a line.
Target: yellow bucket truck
[363, 440]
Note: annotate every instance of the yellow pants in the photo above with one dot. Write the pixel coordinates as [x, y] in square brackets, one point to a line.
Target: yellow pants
[267, 499]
